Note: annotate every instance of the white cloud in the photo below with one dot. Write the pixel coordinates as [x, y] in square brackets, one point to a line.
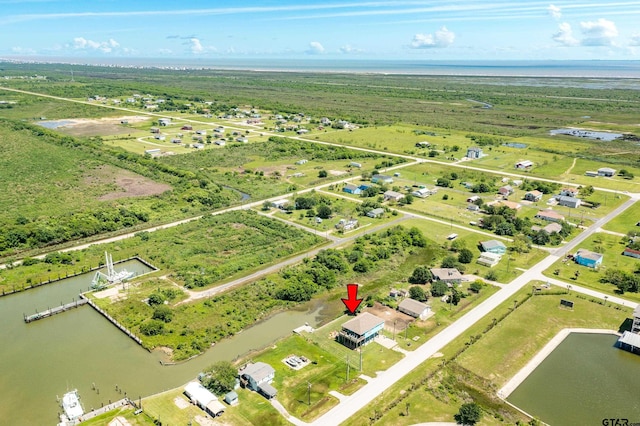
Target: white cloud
[441, 38]
[635, 40]
[565, 35]
[81, 43]
[554, 11]
[599, 33]
[196, 46]
[315, 48]
[347, 49]
[23, 51]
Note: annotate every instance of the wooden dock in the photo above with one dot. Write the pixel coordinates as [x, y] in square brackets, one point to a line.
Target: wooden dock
[57, 310]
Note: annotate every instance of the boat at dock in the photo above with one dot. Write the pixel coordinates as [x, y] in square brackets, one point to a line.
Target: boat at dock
[102, 280]
[72, 408]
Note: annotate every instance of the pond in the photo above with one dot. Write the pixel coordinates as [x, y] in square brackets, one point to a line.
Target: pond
[81, 349]
[584, 380]
[54, 124]
[587, 134]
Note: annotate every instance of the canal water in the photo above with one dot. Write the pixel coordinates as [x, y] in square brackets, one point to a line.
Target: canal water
[584, 380]
[81, 349]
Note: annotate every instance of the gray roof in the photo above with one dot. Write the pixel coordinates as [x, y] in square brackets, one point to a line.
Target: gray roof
[258, 371]
[488, 245]
[351, 186]
[630, 338]
[588, 254]
[636, 312]
[268, 390]
[413, 306]
[607, 169]
[393, 194]
[377, 211]
[362, 323]
[446, 274]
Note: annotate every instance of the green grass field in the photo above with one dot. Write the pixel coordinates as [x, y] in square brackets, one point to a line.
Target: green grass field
[611, 247]
[626, 221]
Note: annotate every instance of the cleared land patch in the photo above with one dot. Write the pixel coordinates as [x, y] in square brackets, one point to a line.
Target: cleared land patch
[127, 184]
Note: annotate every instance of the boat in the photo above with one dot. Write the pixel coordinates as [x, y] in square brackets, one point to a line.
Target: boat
[102, 280]
[71, 405]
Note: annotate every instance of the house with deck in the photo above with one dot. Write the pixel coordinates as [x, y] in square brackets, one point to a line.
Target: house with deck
[258, 377]
[360, 330]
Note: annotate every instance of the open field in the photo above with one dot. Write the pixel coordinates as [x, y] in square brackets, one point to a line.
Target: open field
[626, 221]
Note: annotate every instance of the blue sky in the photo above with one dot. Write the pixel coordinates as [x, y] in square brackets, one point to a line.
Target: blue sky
[441, 30]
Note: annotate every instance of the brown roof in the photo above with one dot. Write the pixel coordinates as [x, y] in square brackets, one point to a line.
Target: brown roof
[362, 323]
[446, 273]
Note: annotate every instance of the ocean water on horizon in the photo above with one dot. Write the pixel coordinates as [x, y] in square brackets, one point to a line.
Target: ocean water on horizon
[520, 68]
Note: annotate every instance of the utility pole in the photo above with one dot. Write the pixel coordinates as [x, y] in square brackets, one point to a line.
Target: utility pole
[309, 392]
[394, 329]
[361, 358]
[348, 368]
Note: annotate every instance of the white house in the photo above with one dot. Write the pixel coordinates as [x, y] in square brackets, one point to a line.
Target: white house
[204, 399]
[414, 308]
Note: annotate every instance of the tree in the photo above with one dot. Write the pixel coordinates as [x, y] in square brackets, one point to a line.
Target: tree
[505, 228]
[491, 275]
[469, 414]
[152, 327]
[156, 299]
[363, 265]
[439, 289]
[443, 181]
[449, 262]
[465, 256]
[421, 275]
[163, 313]
[324, 211]
[541, 237]
[476, 286]
[323, 173]
[220, 378]
[418, 293]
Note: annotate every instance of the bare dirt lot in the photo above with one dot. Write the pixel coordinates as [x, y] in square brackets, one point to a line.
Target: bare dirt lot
[126, 183]
[101, 127]
[389, 315]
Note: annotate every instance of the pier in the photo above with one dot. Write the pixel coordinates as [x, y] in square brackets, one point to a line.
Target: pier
[53, 311]
[124, 329]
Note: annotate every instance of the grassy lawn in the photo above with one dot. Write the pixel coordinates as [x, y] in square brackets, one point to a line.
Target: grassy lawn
[504, 350]
[124, 412]
[626, 221]
[611, 247]
[326, 372]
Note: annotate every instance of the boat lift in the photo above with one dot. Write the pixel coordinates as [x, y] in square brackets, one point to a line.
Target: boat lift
[102, 280]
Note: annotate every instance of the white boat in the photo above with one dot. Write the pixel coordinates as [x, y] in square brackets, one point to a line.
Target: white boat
[71, 405]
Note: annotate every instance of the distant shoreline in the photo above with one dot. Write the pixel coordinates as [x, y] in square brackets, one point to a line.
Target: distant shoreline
[618, 69]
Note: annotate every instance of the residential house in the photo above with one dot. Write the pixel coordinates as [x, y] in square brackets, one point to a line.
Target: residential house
[203, 398]
[164, 121]
[176, 140]
[347, 225]
[231, 398]
[414, 308]
[159, 137]
[533, 196]
[198, 145]
[375, 213]
[473, 207]
[565, 201]
[393, 196]
[631, 253]
[493, 246]
[489, 259]
[280, 204]
[473, 199]
[421, 193]
[258, 377]
[506, 190]
[302, 131]
[524, 164]
[447, 275]
[351, 189]
[549, 229]
[588, 258]
[549, 215]
[474, 152]
[201, 132]
[381, 179]
[360, 330]
[423, 144]
[510, 204]
[569, 192]
[635, 327]
[606, 172]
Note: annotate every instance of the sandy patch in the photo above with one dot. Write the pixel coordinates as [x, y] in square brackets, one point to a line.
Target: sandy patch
[100, 126]
[111, 293]
[119, 421]
[181, 403]
[389, 315]
[337, 172]
[125, 183]
[205, 421]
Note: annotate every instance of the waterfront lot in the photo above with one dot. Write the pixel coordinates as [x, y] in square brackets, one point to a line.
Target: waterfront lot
[611, 247]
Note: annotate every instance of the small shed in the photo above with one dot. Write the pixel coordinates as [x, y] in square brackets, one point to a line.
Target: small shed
[231, 398]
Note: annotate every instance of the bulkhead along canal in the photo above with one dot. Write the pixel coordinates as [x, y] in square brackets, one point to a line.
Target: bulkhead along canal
[80, 349]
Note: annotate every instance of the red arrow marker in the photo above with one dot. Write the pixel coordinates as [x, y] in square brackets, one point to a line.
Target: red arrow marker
[352, 302]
